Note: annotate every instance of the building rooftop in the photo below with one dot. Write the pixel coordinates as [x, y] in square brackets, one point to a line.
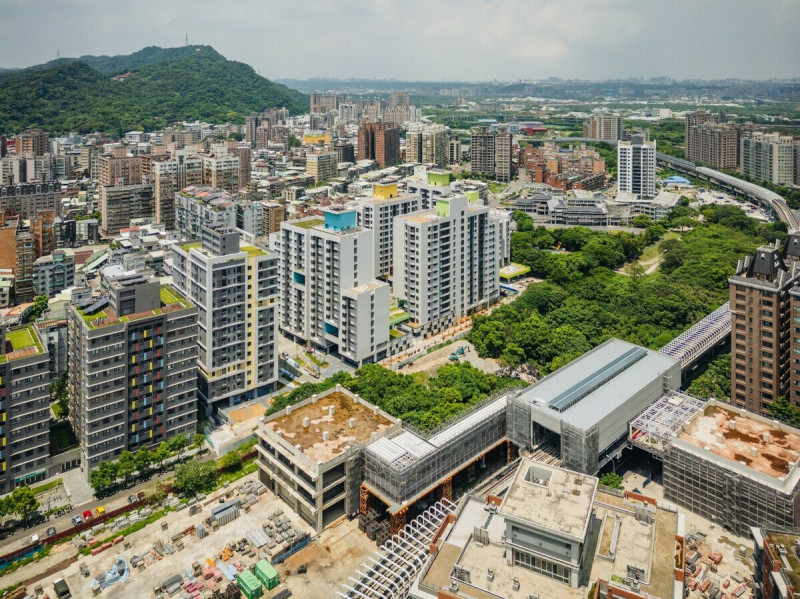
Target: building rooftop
[551, 498]
[341, 435]
[593, 386]
[95, 318]
[762, 445]
[21, 342]
[785, 548]
[308, 223]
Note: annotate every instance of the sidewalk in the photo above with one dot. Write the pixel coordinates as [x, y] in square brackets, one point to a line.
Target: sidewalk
[78, 488]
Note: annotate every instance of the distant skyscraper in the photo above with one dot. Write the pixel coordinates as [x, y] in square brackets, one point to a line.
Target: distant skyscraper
[603, 126]
[32, 141]
[502, 155]
[454, 150]
[490, 153]
[770, 157]
[698, 117]
[399, 98]
[713, 144]
[636, 167]
[379, 142]
[427, 144]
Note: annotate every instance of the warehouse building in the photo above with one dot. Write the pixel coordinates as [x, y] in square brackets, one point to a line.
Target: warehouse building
[311, 454]
[586, 405]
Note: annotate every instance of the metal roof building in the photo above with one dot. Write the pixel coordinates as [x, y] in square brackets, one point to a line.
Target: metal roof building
[589, 402]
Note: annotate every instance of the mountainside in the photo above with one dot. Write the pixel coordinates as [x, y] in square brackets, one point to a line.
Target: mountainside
[172, 84]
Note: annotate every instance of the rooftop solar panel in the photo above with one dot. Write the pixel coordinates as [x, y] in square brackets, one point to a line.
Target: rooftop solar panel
[101, 303]
[584, 387]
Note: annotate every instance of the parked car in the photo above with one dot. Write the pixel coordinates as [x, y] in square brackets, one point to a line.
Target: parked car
[77, 520]
[132, 499]
[51, 531]
[34, 538]
[101, 510]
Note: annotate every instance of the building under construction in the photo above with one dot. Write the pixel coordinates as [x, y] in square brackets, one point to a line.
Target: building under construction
[731, 466]
[407, 470]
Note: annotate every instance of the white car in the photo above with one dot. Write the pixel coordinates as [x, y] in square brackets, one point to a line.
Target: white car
[34, 538]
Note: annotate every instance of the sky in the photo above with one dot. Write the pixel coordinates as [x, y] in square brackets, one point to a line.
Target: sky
[428, 40]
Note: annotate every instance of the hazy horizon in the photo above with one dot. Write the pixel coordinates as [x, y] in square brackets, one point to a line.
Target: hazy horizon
[465, 41]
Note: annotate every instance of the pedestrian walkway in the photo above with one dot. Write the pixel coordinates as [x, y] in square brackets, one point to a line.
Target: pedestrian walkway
[77, 486]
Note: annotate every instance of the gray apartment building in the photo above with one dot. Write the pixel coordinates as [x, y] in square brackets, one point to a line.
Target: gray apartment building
[235, 287]
[28, 199]
[132, 361]
[24, 406]
[54, 273]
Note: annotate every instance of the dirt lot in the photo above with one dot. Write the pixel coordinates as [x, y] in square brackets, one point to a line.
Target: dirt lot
[431, 362]
[330, 558]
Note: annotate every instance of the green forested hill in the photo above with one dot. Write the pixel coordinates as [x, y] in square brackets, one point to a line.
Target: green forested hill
[193, 82]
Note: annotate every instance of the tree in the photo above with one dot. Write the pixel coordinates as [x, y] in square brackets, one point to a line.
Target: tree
[195, 477]
[513, 356]
[104, 476]
[161, 454]
[142, 460]
[231, 461]
[59, 393]
[198, 440]
[24, 502]
[611, 479]
[39, 306]
[641, 221]
[126, 465]
[178, 443]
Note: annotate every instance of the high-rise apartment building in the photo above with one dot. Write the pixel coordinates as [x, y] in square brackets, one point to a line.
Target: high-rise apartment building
[329, 294]
[698, 117]
[445, 262]
[427, 144]
[31, 198]
[379, 142]
[118, 168]
[378, 214]
[32, 141]
[454, 151]
[322, 103]
[399, 99]
[761, 327]
[482, 151]
[603, 125]
[235, 288]
[132, 359]
[120, 204]
[25, 392]
[274, 215]
[323, 166]
[222, 169]
[203, 206]
[636, 167]
[491, 153]
[183, 169]
[503, 145]
[714, 144]
[346, 151]
[769, 157]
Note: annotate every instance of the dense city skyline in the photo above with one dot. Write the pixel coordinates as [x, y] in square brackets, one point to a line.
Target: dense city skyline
[477, 40]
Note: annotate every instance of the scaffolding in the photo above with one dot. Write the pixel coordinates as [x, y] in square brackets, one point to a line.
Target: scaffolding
[690, 345]
[401, 467]
[390, 572]
[651, 429]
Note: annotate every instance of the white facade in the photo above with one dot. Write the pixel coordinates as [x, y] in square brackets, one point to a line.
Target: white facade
[378, 214]
[446, 262]
[770, 157]
[636, 167]
[329, 295]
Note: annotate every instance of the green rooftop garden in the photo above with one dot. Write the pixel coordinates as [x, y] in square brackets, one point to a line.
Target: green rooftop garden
[307, 224]
[253, 250]
[23, 338]
[396, 316]
[170, 296]
[188, 246]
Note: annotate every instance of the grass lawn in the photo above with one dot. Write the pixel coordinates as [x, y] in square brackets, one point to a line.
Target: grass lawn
[497, 187]
[56, 409]
[651, 254]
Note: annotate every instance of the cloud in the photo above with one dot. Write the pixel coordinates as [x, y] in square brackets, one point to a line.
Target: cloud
[429, 39]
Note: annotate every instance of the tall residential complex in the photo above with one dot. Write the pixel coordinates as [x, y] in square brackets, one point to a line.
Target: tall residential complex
[120, 204]
[490, 153]
[203, 206]
[693, 119]
[25, 405]
[132, 362]
[399, 98]
[29, 199]
[445, 262]
[323, 166]
[379, 142]
[770, 157]
[713, 144]
[329, 295]
[222, 170]
[636, 167]
[761, 327]
[427, 144]
[274, 215]
[322, 103]
[454, 150]
[603, 125]
[378, 214]
[32, 141]
[118, 168]
[235, 289]
[54, 273]
[182, 170]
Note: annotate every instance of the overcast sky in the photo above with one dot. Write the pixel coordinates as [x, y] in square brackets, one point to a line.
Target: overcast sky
[471, 40]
